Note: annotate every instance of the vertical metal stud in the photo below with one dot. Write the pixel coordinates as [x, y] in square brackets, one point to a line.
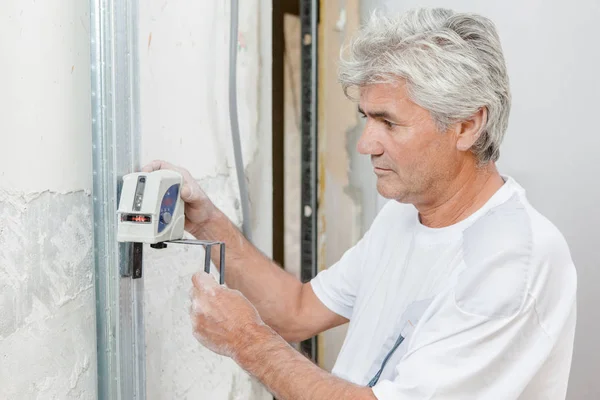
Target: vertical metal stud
[115, 115]
[309, 10]
[207, 256]
[222, 265]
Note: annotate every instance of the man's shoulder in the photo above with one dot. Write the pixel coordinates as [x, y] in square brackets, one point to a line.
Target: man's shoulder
[515, 226]
[510, 251]
[548, 240]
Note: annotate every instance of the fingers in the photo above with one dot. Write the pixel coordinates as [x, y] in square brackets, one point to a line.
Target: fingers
[155, 165]
[204, 282]
[195, 297]
[201, 293]
[190, 192]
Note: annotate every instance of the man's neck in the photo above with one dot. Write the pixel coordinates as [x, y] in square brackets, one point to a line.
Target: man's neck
[467, 193]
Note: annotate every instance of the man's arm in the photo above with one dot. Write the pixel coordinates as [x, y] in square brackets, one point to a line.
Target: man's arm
[284, 303]
[225, 322]
[291, 308]
[289, 375]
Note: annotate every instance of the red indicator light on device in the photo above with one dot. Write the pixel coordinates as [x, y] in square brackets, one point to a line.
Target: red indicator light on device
[136, 218]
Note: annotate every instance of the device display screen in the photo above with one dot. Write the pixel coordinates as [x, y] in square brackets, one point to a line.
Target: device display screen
[145, 219]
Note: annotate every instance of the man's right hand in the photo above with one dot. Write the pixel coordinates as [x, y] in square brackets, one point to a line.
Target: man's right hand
[199, 209]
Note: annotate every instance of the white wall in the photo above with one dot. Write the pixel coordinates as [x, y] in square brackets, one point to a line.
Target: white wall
[47, 307]
[552, 142]
[184, 119]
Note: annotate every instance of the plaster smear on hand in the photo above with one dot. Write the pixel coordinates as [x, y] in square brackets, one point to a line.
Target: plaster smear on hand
[47, 308]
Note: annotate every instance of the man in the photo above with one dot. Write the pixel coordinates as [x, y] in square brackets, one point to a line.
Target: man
[459, 290]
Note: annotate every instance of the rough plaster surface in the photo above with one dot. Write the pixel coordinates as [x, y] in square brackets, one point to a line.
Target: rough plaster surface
[185, 119]
[47, 307]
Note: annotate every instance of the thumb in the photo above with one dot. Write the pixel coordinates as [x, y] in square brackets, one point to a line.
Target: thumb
[191, 193]
[186, 193]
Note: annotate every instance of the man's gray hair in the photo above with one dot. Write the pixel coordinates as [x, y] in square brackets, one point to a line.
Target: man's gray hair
[452, 64]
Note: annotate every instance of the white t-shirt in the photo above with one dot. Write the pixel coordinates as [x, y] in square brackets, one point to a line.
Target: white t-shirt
[485, 308]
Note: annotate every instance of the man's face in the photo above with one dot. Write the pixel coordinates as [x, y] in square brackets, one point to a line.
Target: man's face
[412, 159]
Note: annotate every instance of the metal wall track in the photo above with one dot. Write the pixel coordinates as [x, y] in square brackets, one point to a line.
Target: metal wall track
[309, 18]
[115, 116]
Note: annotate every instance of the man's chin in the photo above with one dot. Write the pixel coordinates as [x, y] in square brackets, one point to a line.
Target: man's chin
[388, 192]
[394, 192]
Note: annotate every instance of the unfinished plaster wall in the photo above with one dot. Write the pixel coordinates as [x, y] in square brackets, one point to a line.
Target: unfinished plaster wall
[47, 307]
[184, 119]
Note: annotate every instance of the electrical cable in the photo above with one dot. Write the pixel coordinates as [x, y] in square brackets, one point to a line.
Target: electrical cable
[233, 117]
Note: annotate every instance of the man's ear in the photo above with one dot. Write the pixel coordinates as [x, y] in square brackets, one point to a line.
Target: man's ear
[468, 131]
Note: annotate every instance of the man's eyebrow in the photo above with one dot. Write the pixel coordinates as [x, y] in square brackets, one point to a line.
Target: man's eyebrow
[377, 114]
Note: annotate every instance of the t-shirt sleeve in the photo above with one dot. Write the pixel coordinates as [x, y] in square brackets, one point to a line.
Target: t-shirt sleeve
[337, 286]
[484, 341]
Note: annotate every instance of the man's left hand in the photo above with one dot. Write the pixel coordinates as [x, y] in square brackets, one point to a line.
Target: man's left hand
[227, 323]
[221, 317]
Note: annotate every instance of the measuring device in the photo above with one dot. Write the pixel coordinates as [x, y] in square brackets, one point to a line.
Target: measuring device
[151, 211]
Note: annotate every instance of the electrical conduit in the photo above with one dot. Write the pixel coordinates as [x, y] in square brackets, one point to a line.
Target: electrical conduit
[233, 117]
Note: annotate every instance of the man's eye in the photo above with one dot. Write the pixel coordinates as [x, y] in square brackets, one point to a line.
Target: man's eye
[388, 123]
[363, 116]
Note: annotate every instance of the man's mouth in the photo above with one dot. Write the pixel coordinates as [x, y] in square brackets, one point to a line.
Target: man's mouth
[381, 169]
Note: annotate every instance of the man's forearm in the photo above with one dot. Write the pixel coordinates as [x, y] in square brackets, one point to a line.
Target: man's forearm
[271, 290]
[288, 374]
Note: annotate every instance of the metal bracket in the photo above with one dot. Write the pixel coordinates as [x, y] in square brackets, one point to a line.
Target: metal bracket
[136, 260]
[207, 253]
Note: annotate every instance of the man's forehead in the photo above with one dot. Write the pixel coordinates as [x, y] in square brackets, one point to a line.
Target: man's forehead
[382, 95]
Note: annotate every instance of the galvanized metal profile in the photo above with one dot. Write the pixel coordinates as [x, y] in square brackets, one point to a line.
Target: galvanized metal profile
[309, 19]
[115, 130]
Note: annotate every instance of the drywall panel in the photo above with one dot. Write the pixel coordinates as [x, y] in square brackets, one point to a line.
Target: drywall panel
[551, 145]
[185, 119]
[47, 305]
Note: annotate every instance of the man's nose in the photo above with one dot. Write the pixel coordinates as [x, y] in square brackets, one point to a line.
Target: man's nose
[368, 142]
